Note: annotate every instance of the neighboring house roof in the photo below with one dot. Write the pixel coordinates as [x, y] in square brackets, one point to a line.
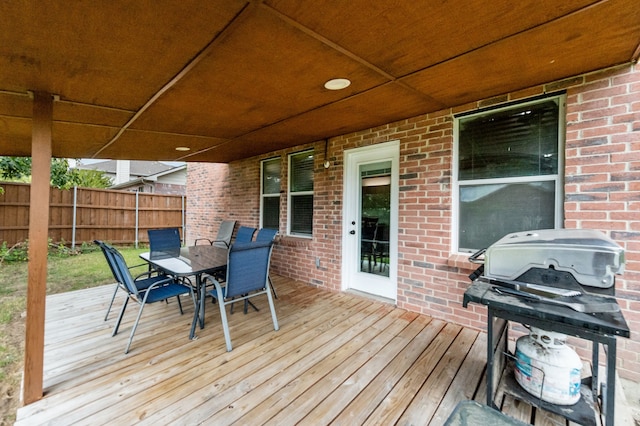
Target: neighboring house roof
[150, 178]
[137, 168]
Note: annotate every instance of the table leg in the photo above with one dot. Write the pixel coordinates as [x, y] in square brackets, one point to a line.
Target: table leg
[198, 315]
[203, 296]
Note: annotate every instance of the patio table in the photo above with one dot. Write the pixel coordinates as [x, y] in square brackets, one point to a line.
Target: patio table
[193, 261]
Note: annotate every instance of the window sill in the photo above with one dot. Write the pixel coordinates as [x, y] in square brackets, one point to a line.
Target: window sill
[461, 261]
[294, 241]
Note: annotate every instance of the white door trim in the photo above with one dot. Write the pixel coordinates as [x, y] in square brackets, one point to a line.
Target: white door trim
[351, 204]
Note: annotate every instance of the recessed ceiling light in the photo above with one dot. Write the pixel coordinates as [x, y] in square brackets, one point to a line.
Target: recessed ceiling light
[337, 84]
[183, 148]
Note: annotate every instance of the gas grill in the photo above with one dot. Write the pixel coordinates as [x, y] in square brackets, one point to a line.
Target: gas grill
[557, 280]
[575, 259]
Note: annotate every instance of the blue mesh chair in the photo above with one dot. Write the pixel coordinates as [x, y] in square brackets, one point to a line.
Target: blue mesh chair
[164, 243]
[156, 289]
[116, 274]
[268, 234]
[245, 234]
[247, 277]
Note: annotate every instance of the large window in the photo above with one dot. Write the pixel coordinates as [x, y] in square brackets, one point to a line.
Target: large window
[270, 194]
[300, 205]
[508, 167]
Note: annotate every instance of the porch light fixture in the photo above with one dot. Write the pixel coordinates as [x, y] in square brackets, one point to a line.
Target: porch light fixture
[183, 148]
[337, 84]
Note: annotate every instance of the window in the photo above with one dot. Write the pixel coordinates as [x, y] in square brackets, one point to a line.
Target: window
[270, 194]
[507, 166]
[300, 203]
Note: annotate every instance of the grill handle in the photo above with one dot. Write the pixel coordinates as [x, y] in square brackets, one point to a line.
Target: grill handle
[474, 257]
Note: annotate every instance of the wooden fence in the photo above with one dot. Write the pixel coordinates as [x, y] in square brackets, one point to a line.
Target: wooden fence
[82, 215]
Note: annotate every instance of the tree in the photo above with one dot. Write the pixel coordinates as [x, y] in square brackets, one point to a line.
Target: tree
[90, 179]
[62, 177]
[15, 168]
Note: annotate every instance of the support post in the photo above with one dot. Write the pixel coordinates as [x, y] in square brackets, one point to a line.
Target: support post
[32, 389]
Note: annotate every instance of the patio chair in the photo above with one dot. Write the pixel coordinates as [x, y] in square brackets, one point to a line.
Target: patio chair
[268, 234]
[366, 244]
[223, 238]
[157, 288]
[381, 246]
[164, 243]
[247, 277]
[116, 274]
[245, 234]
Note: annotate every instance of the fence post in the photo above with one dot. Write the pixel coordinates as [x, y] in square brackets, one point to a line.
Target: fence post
[73, 225]
[184, 224]
[137, 216]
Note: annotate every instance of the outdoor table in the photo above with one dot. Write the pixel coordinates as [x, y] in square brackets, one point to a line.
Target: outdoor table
[193, 261]
[599, 328]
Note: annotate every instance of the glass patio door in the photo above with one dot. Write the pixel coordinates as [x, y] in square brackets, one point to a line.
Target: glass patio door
[370, 220]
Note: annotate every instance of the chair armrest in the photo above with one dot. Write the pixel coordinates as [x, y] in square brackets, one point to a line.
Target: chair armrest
[217, 293]
[220, 241]
[202, 239]
[137, 266]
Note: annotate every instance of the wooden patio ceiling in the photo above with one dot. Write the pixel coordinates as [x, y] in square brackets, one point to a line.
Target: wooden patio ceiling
[232, 79]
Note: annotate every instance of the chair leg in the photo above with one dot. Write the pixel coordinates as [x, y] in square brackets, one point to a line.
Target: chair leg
[117, 326]
[223, 317]
[180, 305]
[112, 299]
[273, 309]
[273, 289]
[133, 330]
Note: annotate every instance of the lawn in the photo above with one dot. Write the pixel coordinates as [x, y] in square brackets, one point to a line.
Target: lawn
[66, 272]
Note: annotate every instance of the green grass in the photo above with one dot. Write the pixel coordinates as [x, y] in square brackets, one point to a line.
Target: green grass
[65, 273]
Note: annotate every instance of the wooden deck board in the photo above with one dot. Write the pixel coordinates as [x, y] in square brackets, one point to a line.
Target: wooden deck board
[338, 358]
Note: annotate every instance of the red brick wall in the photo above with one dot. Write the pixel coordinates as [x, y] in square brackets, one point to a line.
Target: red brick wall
[602, 181]
[208, 186]
[602, 191]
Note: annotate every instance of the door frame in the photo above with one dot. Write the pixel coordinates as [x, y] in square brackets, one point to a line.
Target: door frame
[387, 151]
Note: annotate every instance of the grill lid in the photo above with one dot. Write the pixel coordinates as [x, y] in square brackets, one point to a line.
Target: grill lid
[590, 256]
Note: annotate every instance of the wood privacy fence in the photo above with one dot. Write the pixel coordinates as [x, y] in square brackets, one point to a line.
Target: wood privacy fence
[82, 214]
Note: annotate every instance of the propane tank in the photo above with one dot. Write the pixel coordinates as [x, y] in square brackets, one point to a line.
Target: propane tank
[547, 368]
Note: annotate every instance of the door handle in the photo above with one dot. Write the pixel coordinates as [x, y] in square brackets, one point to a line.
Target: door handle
[352, 232]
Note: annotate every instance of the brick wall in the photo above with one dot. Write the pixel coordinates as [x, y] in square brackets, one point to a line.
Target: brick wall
[208, 185]
[602, 180]
[602, 191]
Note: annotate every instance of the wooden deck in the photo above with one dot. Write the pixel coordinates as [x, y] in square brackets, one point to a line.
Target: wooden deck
[338, 358]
